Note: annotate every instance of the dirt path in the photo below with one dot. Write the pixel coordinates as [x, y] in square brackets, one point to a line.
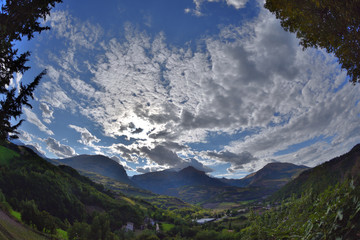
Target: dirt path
[10, 229]
[6, 218]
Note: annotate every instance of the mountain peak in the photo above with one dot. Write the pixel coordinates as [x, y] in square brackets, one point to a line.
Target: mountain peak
[191, 169]
[99, 164]
[356, 148]
[272, 175]
[282, 165]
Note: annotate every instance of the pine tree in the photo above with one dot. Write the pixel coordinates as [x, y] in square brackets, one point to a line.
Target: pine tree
[18, 19]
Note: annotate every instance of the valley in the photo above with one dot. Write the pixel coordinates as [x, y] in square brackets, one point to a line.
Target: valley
[192, 205]
[188, 185]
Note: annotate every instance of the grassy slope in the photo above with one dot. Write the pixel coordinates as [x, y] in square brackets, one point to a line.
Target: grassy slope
[11, 229]
[6, 155]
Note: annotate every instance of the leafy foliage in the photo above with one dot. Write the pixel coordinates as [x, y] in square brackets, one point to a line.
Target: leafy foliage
[330, 24]
[42, 220]
[335, 213]
[18, 19]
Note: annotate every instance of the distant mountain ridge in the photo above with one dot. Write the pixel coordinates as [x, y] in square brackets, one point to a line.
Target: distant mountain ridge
[190, 184]
[163, 182]
[97, 164]
[346, 166]
[195, 186]
[273, 175]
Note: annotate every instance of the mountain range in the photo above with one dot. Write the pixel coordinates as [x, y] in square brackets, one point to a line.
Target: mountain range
[189, 184]
[195, 186]
[62, 196]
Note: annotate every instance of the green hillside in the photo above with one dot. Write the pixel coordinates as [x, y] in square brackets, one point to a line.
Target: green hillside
[321, 177]
[332, 214]
[51, 197]
[6, 155]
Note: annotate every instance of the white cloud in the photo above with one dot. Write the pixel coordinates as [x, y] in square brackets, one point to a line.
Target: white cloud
[237, 161]
[32, 118]
[47, 112]
[25, 136]
[302, 92]
[59, 149]
[38, 148]
[122, 163]
[55, 96]
[86, 137]
[237, 4]
[82, 34]
[249, 77]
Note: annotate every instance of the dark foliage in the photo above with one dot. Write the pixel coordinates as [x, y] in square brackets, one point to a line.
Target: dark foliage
[330, 24]
[18, 19]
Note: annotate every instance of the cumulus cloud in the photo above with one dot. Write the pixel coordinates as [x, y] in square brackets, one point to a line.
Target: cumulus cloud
[59, 149]
[127, 153]
[55, 96]
[237, 160]
[250, 78]
[25, 136]
[307, 107]
[86, 137]
[162, 155]
[32, 118]
[82, 34]
[237, 4]
[148, 169]
[47, 113]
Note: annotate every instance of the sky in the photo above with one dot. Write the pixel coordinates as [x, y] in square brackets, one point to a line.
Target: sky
[214, 84]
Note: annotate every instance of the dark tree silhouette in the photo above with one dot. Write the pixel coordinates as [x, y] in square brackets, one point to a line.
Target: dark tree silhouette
[330, 24]
[18, 19]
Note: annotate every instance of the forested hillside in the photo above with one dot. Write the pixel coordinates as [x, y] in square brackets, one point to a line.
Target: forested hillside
[319, 178]
[51, 197]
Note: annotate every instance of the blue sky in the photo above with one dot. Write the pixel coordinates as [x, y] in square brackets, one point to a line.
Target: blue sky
[217, 84]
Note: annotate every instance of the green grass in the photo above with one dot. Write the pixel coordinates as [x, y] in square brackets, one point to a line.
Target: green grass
[6, 155]
[131, 202]
[61, 234]
[16, 214]
[167, 226]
